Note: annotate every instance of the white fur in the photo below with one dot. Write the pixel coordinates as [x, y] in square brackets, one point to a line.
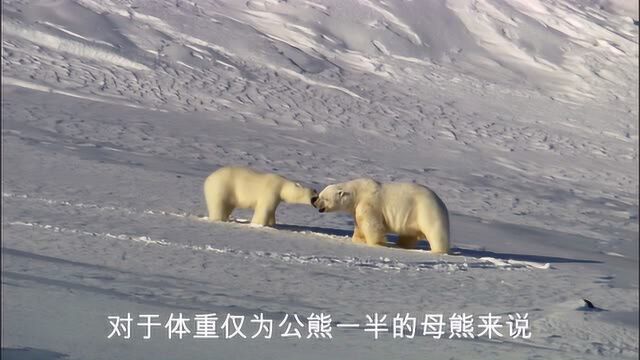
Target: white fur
[412, 211]
[231, 188]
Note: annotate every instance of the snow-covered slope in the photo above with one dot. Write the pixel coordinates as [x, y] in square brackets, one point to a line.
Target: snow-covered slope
[521, 115]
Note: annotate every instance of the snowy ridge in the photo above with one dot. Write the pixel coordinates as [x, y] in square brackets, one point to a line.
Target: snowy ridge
[68, 46]
[106, 99]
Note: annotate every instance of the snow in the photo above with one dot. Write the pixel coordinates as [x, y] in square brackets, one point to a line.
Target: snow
[521, 115]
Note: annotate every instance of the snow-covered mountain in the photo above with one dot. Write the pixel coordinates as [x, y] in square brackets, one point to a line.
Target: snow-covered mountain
[521, 115]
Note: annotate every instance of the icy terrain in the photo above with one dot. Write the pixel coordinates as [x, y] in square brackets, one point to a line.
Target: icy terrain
[521, 115]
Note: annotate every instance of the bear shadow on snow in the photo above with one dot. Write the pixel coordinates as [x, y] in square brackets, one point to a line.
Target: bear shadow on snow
[476, 253]
[456, 251]
[315, 229]
[30, 353]
[519, 257]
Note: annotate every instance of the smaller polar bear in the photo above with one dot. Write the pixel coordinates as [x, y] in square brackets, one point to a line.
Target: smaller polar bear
[412, 211]
[229, 188]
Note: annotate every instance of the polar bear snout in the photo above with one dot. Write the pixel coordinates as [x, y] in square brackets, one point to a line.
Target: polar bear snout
[317, 203]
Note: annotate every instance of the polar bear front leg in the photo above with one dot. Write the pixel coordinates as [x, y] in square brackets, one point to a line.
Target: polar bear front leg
[358, 237]
[219, 210]
[371, 225]
[265, 214]
[272, 220]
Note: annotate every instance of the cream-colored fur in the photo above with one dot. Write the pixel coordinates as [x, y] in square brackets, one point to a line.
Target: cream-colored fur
[412, 211]
[232, 188]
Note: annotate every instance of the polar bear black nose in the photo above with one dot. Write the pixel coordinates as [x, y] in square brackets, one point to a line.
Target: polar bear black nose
[313, 200]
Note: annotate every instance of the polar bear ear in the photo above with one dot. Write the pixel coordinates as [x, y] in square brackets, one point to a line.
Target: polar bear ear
[342, 194]
[298, 185]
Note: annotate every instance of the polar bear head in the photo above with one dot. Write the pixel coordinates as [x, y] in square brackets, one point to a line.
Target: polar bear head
[295, 193]
[334, 198]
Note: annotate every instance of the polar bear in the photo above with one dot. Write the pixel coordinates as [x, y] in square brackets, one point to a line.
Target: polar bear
[412, 211]
[229, 188]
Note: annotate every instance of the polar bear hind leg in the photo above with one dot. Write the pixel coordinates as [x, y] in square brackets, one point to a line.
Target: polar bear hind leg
[438, 237]
[217, 200]
[218, 209]
[433, 223]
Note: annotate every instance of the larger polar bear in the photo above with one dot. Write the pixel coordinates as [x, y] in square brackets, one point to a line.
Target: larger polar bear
[230, 188]
[409, 210]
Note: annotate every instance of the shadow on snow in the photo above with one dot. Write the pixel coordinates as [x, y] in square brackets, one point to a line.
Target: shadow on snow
[424, 245]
